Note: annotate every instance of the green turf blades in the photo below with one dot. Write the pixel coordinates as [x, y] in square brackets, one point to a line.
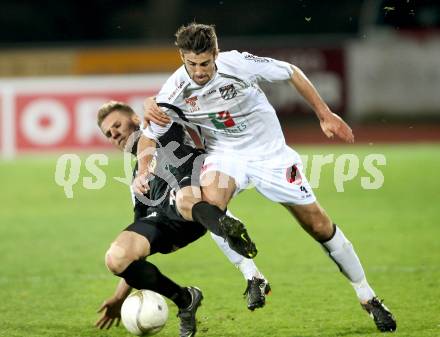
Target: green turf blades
[53, 277]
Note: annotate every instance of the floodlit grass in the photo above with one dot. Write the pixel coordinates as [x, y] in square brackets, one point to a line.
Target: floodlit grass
[53, 277]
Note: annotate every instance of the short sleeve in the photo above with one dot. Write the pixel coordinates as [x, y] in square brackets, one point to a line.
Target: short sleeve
[154, 131]
[266, 69]
[173, 87]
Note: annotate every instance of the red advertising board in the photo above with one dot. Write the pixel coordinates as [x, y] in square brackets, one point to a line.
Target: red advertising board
[44, 116]
[54, 121]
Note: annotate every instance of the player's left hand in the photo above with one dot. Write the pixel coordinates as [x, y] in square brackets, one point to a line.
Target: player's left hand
[140, 184]
[153, 113]
[111, 313]
[333, 125]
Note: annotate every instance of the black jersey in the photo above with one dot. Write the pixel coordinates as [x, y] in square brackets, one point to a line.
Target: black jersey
[177, 165]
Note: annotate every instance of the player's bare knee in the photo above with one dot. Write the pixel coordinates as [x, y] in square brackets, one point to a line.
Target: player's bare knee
[121, 254]
[184, 207]
[117, 259]
[216, 198]
[219, 191]
[186, 199]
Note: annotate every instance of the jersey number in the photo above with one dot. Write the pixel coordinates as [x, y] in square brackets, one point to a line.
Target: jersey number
[172, 196]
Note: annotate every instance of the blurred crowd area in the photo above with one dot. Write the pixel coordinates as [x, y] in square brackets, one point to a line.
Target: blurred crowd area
[372, 60]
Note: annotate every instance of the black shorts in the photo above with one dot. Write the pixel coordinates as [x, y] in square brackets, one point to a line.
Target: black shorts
[164, 234]
[168, 207]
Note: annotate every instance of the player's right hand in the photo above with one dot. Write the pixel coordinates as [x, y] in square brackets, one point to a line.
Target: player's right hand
[111, 313]
[154, 114]
[140, 184]
[333, 125]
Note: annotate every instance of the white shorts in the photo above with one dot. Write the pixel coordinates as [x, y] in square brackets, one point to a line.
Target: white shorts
[285, 183]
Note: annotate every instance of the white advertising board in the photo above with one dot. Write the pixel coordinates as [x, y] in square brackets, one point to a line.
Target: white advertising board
[399, 77]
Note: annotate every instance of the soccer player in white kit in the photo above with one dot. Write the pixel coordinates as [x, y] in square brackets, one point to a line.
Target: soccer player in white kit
[219, 94]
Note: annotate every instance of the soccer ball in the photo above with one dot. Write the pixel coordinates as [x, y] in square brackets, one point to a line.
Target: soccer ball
[144, 313]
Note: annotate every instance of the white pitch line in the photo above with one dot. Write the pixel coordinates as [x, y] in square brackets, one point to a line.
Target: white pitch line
[8, 123]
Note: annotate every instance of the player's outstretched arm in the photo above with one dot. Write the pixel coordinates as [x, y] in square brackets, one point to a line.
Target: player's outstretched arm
[331, 124]
[111, 308]
[152, 113]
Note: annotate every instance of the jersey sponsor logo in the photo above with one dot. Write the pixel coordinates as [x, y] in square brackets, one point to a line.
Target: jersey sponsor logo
[293, 175]
[222, 120]
[257, 59]
[192, 103]
[228, 92]
[210, 92]
[175, 91]
[154, 214]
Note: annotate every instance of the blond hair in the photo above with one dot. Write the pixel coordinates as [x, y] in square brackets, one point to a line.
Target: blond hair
[111, 106]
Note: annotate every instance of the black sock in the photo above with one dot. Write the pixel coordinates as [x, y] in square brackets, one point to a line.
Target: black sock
[142, 274]
[208, 216]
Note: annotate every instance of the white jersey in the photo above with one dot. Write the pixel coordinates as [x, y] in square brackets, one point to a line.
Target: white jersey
[231, 112]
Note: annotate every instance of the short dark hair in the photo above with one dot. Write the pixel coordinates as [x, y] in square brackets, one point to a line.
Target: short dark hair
[197, 38]
[111, 106]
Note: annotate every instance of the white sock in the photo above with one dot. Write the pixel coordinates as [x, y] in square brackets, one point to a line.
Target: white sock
[363, 290]
[341, 251]
[246, 266]
[249, 269]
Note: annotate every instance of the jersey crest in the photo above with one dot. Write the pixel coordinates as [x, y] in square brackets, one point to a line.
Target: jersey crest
[228, 92]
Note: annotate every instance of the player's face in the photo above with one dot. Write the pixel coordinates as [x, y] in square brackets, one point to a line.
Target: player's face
[118, 126]
[200, 67]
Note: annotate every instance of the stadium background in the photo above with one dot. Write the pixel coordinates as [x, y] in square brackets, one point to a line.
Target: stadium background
[377, 63]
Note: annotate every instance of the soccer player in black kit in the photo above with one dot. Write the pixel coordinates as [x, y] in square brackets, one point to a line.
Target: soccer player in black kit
[159, 227]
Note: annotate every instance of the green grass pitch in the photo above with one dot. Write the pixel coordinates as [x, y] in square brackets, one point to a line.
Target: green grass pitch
[53, 278]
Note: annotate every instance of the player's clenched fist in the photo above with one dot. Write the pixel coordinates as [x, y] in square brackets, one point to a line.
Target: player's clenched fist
[140, 184]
